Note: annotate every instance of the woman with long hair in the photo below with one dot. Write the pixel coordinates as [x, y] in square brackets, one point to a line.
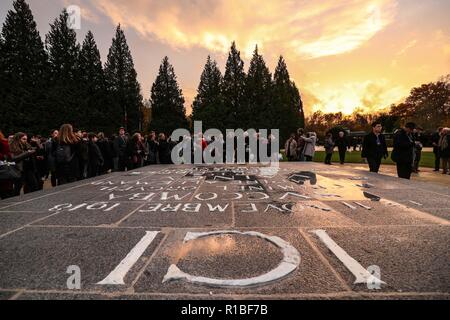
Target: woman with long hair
[67, 155]
[24, 157]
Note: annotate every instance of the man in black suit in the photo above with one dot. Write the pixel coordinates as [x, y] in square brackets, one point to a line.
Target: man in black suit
[403, 153]
[374, 147]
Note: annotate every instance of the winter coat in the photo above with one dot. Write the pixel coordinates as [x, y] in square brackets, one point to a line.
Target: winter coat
[329, 145]
[310, 146]
[341, 143]
[164, 152]
[444, 144]
[120, 146]
[291, 148]
[371, 149]
[95, 155]
[107, 153]
[70, 171]
[152, 148]
[403, 147]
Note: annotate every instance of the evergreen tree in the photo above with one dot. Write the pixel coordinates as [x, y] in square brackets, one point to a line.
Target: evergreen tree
[167, 102]
[233, 90]
[122, 85]
[65, 92]
[207, 106]
[94, 96]
[23, 72]
[258, 94]
[287, 110]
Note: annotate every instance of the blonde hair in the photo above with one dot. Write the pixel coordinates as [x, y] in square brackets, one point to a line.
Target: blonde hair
[66, 135]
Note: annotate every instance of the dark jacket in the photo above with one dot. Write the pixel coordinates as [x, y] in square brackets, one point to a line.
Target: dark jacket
[373, 149]
[70, 171]
[435, 137]
[445, 151]
[403, 147]
[152, 147]
[120, 146]
[341, 143]
[329, 145]
[95, 156]
[164, 152]
[50, 149]
[107, 153]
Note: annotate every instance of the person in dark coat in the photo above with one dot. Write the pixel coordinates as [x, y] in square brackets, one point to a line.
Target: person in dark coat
[342, 144]
[120, 147]
[96, 160]
[83, 157]
[24, 157]
[374, 147]
[403, 153]
[67, 155]
[436, 150]
[444, 145]
[136, 151]
[41, 163]
[107, 154]
[419, 143]
[6, 186]
[164, 150]
[50, 148]
[152, 148]
[329, 147]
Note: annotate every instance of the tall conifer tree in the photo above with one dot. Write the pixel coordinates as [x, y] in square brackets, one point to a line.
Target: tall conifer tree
[208, 104]
[258, 91]
[233, 89]
[167, 101]
[64, 91]
[94, 96]
[122, 85]
[23, 77]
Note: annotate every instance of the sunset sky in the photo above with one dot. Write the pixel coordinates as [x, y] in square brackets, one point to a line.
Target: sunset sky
[342, 54]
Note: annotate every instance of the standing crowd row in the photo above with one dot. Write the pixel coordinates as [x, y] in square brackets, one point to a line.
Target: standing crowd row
[69, 156]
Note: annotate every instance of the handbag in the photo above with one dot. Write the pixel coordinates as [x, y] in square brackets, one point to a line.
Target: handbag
[9, 172]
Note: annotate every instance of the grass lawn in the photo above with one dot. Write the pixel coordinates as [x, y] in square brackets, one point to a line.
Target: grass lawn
[427, 160]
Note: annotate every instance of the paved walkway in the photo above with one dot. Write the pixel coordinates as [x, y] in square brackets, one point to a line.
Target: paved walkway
[307, 231]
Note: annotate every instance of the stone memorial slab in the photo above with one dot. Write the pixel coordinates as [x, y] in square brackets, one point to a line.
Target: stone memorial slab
[300, 231]
[39, 257]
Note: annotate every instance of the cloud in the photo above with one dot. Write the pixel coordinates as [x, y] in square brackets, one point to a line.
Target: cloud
[408, 46]
[367, 96]
[309, 29]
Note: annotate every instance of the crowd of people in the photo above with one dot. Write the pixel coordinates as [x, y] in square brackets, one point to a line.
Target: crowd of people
[70, 155]
[408, 143]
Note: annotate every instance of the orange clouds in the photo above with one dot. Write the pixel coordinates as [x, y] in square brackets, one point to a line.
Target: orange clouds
[343, 55]
[346, 97]
[309, 29]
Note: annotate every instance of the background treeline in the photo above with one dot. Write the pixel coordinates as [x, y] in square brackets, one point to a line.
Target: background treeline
[427, 105]
[45, 83]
